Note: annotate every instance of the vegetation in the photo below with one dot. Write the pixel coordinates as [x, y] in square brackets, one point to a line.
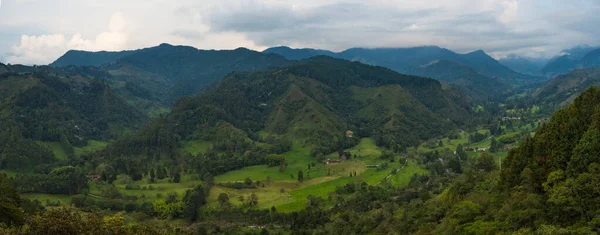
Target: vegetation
[318, 146]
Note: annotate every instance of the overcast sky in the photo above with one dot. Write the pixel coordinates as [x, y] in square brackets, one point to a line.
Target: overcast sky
[39, 31]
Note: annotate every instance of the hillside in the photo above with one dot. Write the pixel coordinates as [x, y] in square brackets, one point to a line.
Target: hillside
[298, 54]
[47, 107]
[475, 85]
[404, 60]
[154, 78]
[312, 102]
[575, 58]
[564, 89]
[85, 58]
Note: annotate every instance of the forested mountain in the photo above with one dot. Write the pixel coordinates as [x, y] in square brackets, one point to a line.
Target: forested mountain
[575, 58]
[473, 84]
[298, 54]
[404, 60]
[52, 105]
[86, 58]
[564, 89]
[524, 65]
[154, 78]
[313, 102]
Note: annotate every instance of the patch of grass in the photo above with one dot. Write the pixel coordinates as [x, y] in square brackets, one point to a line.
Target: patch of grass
[43, 198]
[195, 146]
[152, 191]
[57, 150]
[92, 146]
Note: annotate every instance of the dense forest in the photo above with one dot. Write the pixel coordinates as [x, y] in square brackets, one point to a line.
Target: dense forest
[50, 105]
[176, 140]
[313, 102]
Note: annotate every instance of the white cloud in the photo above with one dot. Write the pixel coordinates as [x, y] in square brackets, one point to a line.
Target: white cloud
[510, 12]
[497, 26]
[44, 49]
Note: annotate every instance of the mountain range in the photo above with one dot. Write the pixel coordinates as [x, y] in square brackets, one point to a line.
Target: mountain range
[563, 89]
[312, 102]
[574, 58]
[154, 78]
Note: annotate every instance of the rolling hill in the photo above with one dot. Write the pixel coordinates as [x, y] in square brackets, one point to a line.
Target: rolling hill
[50, 105]
[154, 78]
[312, 102]
[404, 60]
[473, 84]
[574, 58]
[564, 89]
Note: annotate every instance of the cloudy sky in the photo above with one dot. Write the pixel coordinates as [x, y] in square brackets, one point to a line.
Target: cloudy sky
[39, 31]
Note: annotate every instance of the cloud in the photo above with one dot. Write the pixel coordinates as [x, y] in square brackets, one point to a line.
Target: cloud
[44, 49]
[500, 27]
[510, 12]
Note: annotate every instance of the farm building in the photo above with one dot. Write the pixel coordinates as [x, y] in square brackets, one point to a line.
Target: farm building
[349, 134]
[330, 161]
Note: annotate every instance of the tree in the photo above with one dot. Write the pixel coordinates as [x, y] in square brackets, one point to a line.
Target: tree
[177, 178]
[224, 200]
[248, 181]
[193, 200]
[253, 200]
[486, 162]
[300, 176]
[208, 178]
[10, 213]
[494, 145]
[152, 175]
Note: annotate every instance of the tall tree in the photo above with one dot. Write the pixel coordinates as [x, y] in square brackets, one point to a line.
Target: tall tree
[300, 176]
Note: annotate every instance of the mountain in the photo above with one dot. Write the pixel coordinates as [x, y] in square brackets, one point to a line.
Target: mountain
[564, 89]
[574, 58]
[48, 106]
[154, 78]
[312, 102]
[526, 65]
[298, 54]
[474, 85]
[406, 60]
[85, 58]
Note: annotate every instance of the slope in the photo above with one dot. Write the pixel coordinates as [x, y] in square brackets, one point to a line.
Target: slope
[475, 85]
[311, 102]
[564, 89]
[43, 106]
[574, 58]
[154, 78]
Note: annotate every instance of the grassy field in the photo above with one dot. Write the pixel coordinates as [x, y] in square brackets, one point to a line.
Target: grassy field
[150, 191]
[43, 198]
[92, 146]
[195, 147]
[58, 151]
[287, 194]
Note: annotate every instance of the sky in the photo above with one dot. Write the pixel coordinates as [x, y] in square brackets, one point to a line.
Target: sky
[40, 31]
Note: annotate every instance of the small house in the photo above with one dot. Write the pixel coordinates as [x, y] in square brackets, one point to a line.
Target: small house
[349, 134]
[330, 161]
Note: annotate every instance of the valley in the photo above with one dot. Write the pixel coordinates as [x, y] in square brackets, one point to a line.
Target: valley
[172, 138]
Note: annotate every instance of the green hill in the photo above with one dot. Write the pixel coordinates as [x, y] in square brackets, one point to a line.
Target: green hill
[312, 102]
[475, 85]
[154, 78]
[564, 89]
[409, 60]
[46, 105]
